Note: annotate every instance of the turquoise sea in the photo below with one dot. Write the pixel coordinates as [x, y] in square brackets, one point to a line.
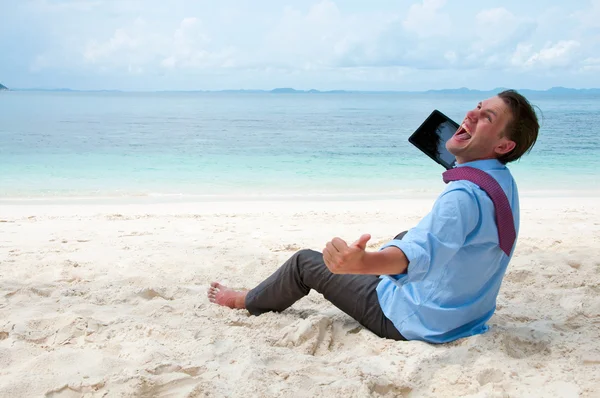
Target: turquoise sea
[257, 145]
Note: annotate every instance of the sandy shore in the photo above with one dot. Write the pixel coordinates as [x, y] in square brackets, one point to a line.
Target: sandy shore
[110, 300]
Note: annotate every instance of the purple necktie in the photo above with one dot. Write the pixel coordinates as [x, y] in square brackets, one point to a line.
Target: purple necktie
[504, 216]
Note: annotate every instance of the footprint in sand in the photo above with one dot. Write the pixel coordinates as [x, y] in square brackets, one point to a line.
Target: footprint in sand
[524, 342]
[312, 335]
[150, 293]
[384, 387]
[56, 331]
[170, 368]
[34, 331]
[519, 276]
[42, 291]
[183, 386]
[75, 390]
[78, 328]
[490, 376]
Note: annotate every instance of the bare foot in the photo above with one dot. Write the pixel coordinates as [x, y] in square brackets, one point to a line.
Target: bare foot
[227, 297]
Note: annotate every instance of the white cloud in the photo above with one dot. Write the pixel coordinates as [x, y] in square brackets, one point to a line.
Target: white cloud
[554, 55]
[424, 20]
[187, 45]
[492, 38]
[120, 42]
[140, 45]
[493, 26]
[191, 47]
[321, 41]
[591, 64]
[314, 38]
[76, 5]
[589, 18]
[521, 54]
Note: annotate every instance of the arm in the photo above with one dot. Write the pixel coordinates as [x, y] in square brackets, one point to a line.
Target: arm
[354, 259]
[388, 261]
[439, 235]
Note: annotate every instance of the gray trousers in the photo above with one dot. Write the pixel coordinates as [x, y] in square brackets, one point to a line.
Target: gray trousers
[305, 270]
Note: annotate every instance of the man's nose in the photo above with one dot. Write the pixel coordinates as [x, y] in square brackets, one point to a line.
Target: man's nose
[473, 115]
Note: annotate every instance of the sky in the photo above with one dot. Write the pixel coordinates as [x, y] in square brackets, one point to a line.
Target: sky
[145, 45]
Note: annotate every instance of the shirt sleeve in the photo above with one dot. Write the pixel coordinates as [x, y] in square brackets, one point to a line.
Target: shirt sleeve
[441, 233]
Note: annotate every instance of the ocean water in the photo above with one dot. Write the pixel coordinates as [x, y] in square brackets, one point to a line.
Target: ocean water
[247, 145]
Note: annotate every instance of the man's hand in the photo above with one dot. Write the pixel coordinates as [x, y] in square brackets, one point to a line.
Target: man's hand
[343, 259]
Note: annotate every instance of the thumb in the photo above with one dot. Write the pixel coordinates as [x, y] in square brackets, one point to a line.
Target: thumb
[361, 243]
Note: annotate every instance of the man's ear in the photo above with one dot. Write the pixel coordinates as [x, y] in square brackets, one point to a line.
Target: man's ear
[505, 147]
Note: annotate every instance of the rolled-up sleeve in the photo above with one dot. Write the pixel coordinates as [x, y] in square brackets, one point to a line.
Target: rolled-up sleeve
[441, 233]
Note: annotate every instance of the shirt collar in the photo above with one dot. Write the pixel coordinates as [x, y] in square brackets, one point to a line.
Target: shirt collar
[485, 164]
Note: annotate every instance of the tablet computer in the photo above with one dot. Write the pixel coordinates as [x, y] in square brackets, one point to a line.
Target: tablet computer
[432, 135]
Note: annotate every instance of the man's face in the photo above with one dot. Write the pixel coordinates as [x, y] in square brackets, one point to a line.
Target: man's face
[480, 135]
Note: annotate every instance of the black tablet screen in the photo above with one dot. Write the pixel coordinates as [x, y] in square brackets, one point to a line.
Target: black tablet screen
[432, 135]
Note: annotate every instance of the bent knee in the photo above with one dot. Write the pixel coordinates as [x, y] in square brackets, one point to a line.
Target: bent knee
[309, 258]
[308, 253]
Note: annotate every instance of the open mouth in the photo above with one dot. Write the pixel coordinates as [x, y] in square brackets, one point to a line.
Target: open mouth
[463, 133]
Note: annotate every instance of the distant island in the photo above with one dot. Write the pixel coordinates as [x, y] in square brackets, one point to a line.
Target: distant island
[288, 90]
[462, 90]
[553, 90]
[311, 91]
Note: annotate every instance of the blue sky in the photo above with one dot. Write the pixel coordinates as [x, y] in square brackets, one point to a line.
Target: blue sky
[326, 44]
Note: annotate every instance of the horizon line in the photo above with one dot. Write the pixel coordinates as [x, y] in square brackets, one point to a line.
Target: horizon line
[290, 90]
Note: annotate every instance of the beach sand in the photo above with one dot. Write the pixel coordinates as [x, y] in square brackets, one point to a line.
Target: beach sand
[110, 300]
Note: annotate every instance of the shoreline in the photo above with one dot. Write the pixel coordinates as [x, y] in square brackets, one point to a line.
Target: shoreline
[370, 211]
[155, 199]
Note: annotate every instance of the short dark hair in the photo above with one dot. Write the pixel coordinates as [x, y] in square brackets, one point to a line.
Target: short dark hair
[523, 126]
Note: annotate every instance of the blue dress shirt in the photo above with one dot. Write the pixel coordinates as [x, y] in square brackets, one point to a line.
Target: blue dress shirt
[455, 264]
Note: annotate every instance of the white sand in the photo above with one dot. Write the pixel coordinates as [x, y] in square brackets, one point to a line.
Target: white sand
[110, 300]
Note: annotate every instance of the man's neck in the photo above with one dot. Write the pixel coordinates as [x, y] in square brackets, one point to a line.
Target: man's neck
[462, 161]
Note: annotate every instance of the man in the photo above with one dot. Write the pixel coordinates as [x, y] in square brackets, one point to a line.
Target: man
[437, 282]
